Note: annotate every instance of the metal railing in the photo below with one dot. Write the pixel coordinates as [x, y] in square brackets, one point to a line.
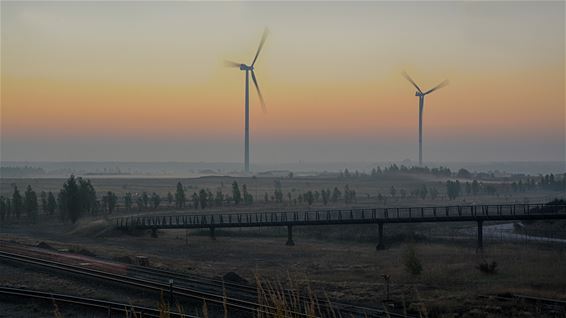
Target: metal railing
[348, 216]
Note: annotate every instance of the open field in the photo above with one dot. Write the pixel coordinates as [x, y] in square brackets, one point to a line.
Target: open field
[256, 185]
[367, 189]
[340, 261]
[347, 270]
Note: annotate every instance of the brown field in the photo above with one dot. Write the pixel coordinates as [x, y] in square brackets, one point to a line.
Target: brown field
[347, 270]
[339, 260]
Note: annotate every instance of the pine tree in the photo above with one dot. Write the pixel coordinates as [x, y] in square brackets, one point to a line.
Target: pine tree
[169, 198]
[219, 199]
[180, 196]
[309, 197]
[203, 199]
[51, 203]
[336, 194]
[155, 200]
[210, 197]
[248, 198]
[30, 204]
[145, 199]
[278, 192]
[3, 208]
[43, 197]
[69, 200]
[110, 200]
[236, 195]
[195, 198]
[87, 196]
[128, 201]
[17, 202]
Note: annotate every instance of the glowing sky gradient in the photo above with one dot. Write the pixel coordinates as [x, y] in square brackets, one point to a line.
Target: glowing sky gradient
[145, 81]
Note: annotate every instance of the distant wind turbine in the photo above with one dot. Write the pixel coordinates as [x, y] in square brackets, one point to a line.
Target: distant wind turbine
[248, 69]
[421, 96]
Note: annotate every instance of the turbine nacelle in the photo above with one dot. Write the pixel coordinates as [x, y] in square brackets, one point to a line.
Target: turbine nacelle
[244, 67]
[419, 92]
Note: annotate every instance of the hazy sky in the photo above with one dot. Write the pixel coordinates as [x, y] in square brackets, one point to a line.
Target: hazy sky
[144, 81]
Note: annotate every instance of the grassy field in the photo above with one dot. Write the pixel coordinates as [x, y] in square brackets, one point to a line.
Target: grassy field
[367, 189]
[347, 270]
[339, 260]
[257, 186]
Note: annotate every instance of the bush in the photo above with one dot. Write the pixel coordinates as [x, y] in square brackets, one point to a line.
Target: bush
[82, 251]
[412, 263]
[487, 268]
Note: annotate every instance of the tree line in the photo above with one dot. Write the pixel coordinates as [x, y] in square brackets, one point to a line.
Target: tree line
[205, 198]
[543, 182]
[20, 172]
[76, 198]
[395, 170]
[520, 182]
[547, 182]
[423, 192]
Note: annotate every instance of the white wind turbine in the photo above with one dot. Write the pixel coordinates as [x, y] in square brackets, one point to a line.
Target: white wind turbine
[249, 69]
[421, 96]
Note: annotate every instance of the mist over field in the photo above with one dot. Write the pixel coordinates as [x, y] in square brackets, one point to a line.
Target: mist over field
[197, 169]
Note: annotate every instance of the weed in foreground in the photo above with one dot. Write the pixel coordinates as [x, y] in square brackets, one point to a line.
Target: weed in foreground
[412, 263]
[487, 267]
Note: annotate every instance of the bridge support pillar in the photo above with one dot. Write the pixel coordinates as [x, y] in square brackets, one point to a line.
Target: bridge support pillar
[212, 234]
[154, 232]
[480, 236]
[380, 245]
[290, 236]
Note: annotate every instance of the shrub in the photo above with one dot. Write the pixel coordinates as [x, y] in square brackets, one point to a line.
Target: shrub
[412, 263]
[487, 267]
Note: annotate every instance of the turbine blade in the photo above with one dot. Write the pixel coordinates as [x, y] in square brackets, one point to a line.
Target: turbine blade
[231, 64]
[441, 85]
[405, 75]
[261, 42]
[259, 92]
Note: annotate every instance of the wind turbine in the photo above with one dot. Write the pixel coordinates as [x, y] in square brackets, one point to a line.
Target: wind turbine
[421, 96]
[249, 69]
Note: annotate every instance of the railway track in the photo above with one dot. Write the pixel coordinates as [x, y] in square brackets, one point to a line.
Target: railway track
[179, 292]
[250, 292]
[190, 287]
[125, 310]
[548, 304]
[195, 281]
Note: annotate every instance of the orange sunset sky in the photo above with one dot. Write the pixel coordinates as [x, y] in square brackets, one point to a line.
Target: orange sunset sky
[145, 81]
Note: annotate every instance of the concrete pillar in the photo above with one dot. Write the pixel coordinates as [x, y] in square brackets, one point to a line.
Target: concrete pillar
[480, 235]
[290, 236]
[212, 235]
[380, 245]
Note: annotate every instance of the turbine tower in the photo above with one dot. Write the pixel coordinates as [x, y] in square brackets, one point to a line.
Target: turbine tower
[249, 69]
[421, 96]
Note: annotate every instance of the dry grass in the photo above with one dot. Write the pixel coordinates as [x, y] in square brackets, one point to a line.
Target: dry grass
[56, 311]
[274, 301]
[347, 271]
